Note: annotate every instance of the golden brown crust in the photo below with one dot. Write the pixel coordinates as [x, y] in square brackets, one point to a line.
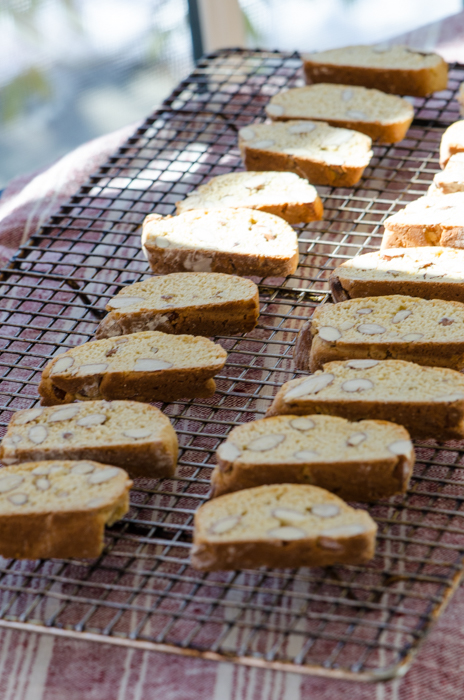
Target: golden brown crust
[225, 319]
[344, 288]
[218, 556]
[416, 82]
[360, 482]
[316, 171]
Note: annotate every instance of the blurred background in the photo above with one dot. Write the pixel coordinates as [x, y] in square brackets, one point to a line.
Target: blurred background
[72, 70]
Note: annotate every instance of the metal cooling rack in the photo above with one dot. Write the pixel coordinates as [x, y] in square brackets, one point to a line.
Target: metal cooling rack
[364, 623]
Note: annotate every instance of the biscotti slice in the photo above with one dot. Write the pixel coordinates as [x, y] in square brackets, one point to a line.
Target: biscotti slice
[428, 332]
[199, 303]
[321, 153]
[432, 272]
[451, 179]
[283, 194]
[427, 221]
[59, 508]
[283, 526]
[361, 461]
[452, 142]
[234, 241]
[146, 366]
[135, 436]
[385, 118]
[427, 401]
[399, 70]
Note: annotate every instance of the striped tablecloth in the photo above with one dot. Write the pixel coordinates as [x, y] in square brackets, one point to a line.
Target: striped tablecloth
[43, 667]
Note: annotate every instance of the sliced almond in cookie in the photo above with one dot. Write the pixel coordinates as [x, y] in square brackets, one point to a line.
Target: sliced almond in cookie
[370, 328]
[37, 434]
[302, 423]
[247, 133]
[329, 333]
[42, 483]
[120, 302]
[353, 385]
[288, 515]
[265, 443]
[325, 510]
[362, 364]
[64, 414]
[10, 482]
[94, 368]
[83, 468]
[224, 524]
[356, 439]
[18, 499]
[306, 455]
[62, 365]
[138, 433]
[401, 315]
[275, 110]
[362, 312]
[28, 416]
[149, 365]
[411, 337]
[449, 397]
[229, 452]
[310, 386]
[92, 419]
[286, 532]
[349, 530]
[401, 447]
[103, 475]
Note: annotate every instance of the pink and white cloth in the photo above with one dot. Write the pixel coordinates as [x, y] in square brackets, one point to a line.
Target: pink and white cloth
[44, 667]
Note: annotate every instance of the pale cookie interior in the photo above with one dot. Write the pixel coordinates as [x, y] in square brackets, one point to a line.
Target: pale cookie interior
[376, 56]
[250, 189]
[316, 438]
[41, 487]
[382, 380]
[341, 102]
[92, 423]
[312, 140]
[227, 230]
[390, 319]
[431, 211]
[181, 290]
[147, 351]
[426, 264]
[262, 513]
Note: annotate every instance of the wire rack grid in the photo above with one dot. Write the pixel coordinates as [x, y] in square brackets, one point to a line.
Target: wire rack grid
[364, 623]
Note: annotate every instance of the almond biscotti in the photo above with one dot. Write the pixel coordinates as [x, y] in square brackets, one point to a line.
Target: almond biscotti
[283, 526]
[452, 142]
[400, 70]
[198, 303]
[427, 221]
[431, 272]
[146, 366]
[451, 179]
[427, 401]
[234, 241]
[428, 332]
[361, 461]
[283, 194]
[135, 436]
[59, 508]
[385, 118]
[321, 153]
